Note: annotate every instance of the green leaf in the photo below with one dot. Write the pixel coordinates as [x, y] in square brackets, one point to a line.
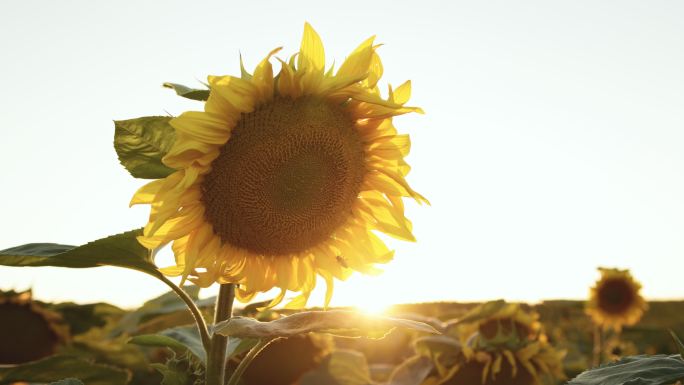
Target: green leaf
[157, 314]
[337, 322]
[413, 371]
[237, 346]
[142, 143]
[121, 250]
[68, 381]
[443, 350]
[56, 368]
[172, 375]
[678, 342]
[441, 344]
[341, 367]
[181, 338]
[635, 370]
[483, 311]
[82, 318]
[187, 92]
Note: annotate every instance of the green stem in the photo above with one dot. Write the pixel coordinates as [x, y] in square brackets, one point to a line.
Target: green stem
[216, 357]
[598, 348]
[199, 320]
[235, 377]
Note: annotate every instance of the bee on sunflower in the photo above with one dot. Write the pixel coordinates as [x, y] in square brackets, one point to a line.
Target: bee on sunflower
[285, 177]
[615, 300]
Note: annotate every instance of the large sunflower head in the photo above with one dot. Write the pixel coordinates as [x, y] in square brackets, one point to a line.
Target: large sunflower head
[285, 176]
[615, 300]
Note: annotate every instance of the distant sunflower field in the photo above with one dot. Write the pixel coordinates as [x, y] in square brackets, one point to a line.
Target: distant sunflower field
[283, 179]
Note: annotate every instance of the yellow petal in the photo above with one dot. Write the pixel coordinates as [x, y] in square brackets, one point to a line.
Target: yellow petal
[146, 193]
[263, 78]
[311, 53]
[402, 94]
[359, 62]
[202, 127]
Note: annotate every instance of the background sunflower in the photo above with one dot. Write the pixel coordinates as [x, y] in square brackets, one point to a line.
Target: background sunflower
[615, 300]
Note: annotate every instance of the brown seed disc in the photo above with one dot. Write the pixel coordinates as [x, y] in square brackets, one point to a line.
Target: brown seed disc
[286, 178]
[615, 296]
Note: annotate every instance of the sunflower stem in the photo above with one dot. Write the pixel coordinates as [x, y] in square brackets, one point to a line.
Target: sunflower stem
[242, 366]
[196, 313]
[598, 348]
[216, 355]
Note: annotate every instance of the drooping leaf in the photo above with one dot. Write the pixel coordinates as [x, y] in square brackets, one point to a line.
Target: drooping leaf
[68, 381]
[337, 322]
[441, 344]
[187, 92]
[180, 338]
[678, 342]
[341, 367]
[56, 368]
[635, 370]
[483, 311]
[413, 371]
[121, 250]
[443, 350]
[432, 321]
[142, 143]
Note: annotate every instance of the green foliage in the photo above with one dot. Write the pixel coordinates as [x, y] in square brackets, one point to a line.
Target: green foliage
[342, 367]
[157, 314]
[336, 322]
[173, 375]
[56, 368]
[635, 370]
[348, 367]
[187, 92]
[483, 311]
[82, 318]
[142, 143]
[237, 346]
[443, 351]
[183, 338]
[180, 371]
[68, 381]
[121, 250]
[413, 371]
[678, 342]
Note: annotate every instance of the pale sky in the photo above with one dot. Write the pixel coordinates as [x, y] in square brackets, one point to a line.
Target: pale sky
[552, 141]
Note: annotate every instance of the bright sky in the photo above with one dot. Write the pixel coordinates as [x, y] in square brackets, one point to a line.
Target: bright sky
[552, 143]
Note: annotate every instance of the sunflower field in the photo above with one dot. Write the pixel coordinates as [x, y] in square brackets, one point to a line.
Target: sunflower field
[290, 177]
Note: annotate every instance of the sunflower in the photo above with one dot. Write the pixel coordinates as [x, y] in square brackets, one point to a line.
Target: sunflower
[615, 300]
[509, 325]
[503, 344]
[28, 330]
[286, 177]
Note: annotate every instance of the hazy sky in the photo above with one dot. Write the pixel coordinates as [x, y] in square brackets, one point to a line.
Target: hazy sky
[552, 142]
